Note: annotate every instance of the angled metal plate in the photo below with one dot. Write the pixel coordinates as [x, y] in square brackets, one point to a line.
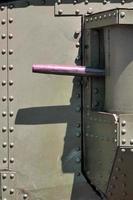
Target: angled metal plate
[126, 130]
[121, 179]
[100, 148]
[110, 17]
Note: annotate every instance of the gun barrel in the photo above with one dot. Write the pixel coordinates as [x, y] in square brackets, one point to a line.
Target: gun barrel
[67, 70]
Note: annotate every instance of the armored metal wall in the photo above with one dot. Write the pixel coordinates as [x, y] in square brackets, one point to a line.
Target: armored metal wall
[40, 115]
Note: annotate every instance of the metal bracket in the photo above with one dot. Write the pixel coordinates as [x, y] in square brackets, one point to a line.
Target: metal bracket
[126, 130]
[108, 18]
[7, 185]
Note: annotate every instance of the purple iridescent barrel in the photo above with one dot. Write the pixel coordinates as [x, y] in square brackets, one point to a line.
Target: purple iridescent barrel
[67, 70]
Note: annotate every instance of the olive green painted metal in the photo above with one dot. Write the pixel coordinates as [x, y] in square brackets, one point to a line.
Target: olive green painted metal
[100, 148]
[120, 184]
[44, 112]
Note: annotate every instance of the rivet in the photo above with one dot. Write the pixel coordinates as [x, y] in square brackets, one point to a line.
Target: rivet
[3, 21]
[86, 1]
[78, 160]
[123, 1]
[4, 188]
[12, 160]
[4, 98]
[10, 20]
[2, 8]
[131, 150]
[3, 82]
[4, 199]
[11, 129]
[123, 141]
[10, 67]
[95, 18]
[11, 113]
[4, 160]
[25, 196]
[3, 67]
[4, 176]
[100, 17]
[4, 144]
[105, 16]
[59, 1]
[10, 36]
[123, 123]
[123, 132]
[122, 14]
[74, 1]
[78, 125]
[131, 141]
[78, 173]
[60, 12]
[3, 36]
[3, 51]
[78, 108]
[123, 150]
[11, 145]
[11, 191]
[11, 51]
[78, 134]
[10, 82]
[114, 14]
[11, 6]
[4, 113]
[77, 12]
[11, 176]
[104, 2]
[77, 44]
[4, 129]
[77, 149]
[11, 98]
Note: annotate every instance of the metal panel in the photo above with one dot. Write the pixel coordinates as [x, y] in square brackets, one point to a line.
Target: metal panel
[45, 113]
[120, 185]
[82, 7]
[100, 148]
[3, 90]
[126, 127]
